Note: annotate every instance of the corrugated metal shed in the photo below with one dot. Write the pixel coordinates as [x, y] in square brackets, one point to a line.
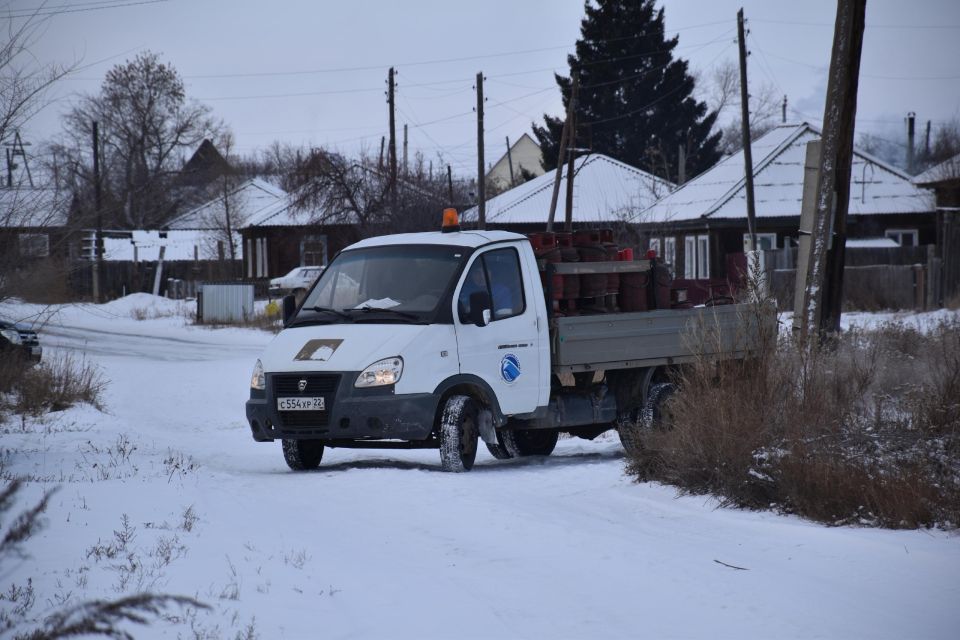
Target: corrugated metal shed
[719, 192]
[605, 190]
[225, 302]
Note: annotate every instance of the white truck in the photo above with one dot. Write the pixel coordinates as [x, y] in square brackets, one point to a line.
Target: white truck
[444, 339]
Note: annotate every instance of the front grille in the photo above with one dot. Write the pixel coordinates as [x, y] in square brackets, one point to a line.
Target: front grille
[312, 422]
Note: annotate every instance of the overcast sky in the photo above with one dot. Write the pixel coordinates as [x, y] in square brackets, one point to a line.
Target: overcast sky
[314, 72]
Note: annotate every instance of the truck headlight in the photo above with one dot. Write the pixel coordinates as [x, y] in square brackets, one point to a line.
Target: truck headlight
[258, 380]
[12, 335]
[380, 373]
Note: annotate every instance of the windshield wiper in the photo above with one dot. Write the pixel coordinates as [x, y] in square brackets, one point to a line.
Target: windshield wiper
[403, 314]
[339, 314]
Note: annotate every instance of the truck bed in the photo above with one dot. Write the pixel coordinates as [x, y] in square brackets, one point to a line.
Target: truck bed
[650, 338]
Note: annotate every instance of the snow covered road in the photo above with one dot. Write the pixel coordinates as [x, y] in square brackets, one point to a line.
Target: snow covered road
[381, 544]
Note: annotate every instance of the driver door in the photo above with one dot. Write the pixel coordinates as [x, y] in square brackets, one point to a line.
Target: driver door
[504, 353]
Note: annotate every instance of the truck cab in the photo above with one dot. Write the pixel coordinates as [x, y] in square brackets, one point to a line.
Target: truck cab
[395, 327]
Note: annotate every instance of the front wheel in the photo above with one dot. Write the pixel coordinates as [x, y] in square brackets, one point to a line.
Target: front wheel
[302, 455]
[459, 434]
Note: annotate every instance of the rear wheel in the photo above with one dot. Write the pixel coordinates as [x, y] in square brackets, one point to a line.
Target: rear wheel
[302, 455]
[529, 442]
[653, 416]
[459, 434]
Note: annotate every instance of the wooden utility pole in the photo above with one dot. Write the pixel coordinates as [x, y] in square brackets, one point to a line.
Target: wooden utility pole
[98, 204]
[681, 163]
[745, 130]
[406, 167]
[823, 292]
[450, 185]
[392, 151]
[564, 134]
[571, 152]
[481, 187]
[383, 141]
[510, 161]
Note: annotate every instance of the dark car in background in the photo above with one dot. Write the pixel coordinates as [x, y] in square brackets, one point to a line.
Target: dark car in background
[17, 340]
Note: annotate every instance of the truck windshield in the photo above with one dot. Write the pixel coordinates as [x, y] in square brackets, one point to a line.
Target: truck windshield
[393, 283]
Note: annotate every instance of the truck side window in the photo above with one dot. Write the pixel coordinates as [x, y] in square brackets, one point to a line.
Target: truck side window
[506, 283]
[475, 281]
[497, 272]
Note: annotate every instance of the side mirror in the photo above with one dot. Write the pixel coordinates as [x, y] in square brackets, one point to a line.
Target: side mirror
[480, 308]
[289, 308]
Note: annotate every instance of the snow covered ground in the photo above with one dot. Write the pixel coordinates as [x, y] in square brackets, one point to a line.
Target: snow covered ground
[383, 545]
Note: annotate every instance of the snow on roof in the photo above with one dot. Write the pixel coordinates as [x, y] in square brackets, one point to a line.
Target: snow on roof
[32, 208]
[871, 243]
[180, 245]
[778, 159]
[604, 190]
[248, 201]
[947, 170]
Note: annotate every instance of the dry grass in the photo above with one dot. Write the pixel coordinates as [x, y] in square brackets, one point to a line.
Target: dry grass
[866, 432]
[57, 383]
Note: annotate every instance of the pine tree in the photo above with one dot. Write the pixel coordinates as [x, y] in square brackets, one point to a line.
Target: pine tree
[635, 101]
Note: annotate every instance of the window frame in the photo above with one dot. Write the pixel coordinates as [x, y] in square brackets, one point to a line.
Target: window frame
[481, 258]
[898, 233]
[773, 244]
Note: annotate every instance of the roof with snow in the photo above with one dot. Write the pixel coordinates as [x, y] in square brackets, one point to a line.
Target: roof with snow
[778, 159]
[946, 171]
[604, 190]
[247, 201]
[29, 208]
[180, 245]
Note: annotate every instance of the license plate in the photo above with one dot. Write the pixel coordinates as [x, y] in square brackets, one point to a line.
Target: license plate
[301, 404]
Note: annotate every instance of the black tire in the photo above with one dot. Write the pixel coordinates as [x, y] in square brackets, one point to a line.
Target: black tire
[302, 455]
[499, 450]
[521, 443]
[459, 434]
[639, 421]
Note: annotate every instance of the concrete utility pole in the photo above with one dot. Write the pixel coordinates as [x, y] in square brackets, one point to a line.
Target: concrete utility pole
[571, 150]
[564, 134]
[392, 152]
[481, 187]
[745, 130]
[823, 291]
[510, 161]
[98, 204]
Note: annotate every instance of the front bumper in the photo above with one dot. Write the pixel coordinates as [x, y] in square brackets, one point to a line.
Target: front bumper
[353, 414]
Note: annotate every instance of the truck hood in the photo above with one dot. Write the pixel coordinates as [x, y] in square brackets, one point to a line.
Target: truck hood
[337, 347]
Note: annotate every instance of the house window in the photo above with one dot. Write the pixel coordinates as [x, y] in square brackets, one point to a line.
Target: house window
[34, 245]
[655, 245]
[904, 237]
[765, 241]
[670, 251]
[313, 251]
[696, 258]
[261, 257]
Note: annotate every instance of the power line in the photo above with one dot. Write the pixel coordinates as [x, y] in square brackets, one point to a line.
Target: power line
[869, 26]
[40, 12]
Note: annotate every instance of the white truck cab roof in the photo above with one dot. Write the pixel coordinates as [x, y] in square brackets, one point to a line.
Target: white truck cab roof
[471, 239]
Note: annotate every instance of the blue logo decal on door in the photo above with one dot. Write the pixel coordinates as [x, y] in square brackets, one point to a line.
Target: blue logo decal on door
[510, 368]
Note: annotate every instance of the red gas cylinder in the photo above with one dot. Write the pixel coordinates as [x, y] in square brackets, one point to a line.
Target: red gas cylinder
[546, 250]
[591, 249]
[613, 279]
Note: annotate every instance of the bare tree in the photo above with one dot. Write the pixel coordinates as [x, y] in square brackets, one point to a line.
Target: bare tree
[147, 125]
[723, 96]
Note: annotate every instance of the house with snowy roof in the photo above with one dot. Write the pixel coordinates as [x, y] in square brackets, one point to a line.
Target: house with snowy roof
[606, 192]
[522, 158]
[704, 221]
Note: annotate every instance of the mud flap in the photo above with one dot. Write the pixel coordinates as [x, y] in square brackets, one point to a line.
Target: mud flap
[485, 422]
